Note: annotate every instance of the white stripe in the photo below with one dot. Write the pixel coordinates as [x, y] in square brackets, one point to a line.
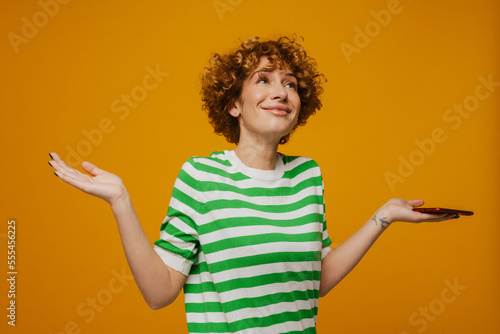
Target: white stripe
[268, 268]
[253, 271]
[178, 223]
[205, 196]
[186, 210]
[238, 231]
[282, 247]
[246, 212]
[251, 183]
[282, 328]
[268, 289]
[261, 312]
[179, 243]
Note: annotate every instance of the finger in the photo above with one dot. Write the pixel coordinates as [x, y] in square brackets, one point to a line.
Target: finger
[60, 166]
[450, 216]
[60, 162]
[73, 180]
[57, 163]
[440, 217]
[92, 169]
[416, 202]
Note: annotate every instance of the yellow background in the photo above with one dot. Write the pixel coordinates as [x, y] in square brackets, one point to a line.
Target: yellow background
[392, 92]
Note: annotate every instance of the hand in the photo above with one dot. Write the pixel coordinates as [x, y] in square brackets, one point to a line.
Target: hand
[398, 209]
[101, 184]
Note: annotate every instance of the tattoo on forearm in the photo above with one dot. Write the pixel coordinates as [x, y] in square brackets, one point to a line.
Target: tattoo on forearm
[383, 222]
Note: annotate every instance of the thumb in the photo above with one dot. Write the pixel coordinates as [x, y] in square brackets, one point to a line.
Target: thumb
[416, 202]
[91, 168]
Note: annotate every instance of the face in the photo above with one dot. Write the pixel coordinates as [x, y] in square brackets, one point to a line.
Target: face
[269, 105]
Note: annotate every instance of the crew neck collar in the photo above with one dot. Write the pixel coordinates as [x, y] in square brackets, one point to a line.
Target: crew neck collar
[260, 174]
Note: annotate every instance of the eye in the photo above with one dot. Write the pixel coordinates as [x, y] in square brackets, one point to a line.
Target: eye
[262, 79]
[292, 85]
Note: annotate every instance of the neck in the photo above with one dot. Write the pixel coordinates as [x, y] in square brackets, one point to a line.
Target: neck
[258, 156]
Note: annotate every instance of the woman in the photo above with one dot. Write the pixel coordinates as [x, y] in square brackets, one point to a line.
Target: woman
[245, 233]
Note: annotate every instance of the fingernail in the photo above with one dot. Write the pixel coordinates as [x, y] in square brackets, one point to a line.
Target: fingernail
[50, 155]
[50, 164]
[457, 216]
[56, 174]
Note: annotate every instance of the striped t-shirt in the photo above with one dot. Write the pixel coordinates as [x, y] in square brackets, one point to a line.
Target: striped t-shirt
[250, 241]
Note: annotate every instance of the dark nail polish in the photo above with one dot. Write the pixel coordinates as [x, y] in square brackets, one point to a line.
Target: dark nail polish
[56, 174]
[49, 164]
[50, 155]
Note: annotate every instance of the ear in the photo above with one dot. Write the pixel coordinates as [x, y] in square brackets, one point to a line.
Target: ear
[235, 109]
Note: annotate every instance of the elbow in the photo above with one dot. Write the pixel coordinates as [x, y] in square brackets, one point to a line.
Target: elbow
[325, 287]
[156, 303]
[155, 306]
[323, 292]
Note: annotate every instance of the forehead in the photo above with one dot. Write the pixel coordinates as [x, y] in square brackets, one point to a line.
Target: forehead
[265, 65]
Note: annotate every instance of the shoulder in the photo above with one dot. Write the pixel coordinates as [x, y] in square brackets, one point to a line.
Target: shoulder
[213, 163]
[297, 159]
[217, 159]
[299, 164]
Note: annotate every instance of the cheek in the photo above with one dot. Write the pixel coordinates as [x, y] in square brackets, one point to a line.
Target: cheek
[253, 95]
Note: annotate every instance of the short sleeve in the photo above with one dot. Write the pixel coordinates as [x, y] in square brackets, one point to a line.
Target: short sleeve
[326, 237]
[179, 243]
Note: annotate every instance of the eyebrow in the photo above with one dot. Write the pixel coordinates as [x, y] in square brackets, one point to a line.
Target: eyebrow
[288, 74]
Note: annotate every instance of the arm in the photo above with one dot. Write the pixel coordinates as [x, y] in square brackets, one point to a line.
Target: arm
[158, 283]
[341, 260]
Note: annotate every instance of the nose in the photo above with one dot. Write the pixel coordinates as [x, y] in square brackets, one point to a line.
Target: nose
[279, 92]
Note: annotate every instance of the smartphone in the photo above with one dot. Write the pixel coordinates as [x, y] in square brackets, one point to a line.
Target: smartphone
[443, 210]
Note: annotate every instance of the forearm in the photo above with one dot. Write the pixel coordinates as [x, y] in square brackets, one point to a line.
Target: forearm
[341, 260]
[158, 287]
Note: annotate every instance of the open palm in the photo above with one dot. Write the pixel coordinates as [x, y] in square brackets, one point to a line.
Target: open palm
[99, 183]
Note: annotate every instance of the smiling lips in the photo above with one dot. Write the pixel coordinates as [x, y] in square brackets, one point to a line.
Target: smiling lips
[279, 110]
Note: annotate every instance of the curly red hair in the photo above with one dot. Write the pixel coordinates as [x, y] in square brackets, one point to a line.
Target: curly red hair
[222, 80]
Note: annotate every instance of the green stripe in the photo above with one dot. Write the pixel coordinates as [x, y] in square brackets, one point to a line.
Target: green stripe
[188, 255]
[173, 230]
[275, 298]
[250, 240]
[257, 191]
[220, 172]
[326, 242]
[299, 169]
[186, 199]
[199, 287]
[256, 322]
[266, 279]
[239, 204]
[289, 174]
[172, 212]
[211, 327]
[258, 221]
[249, 261]
[213, 157]
[311, 330]
[204, 307]
[289, 158]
